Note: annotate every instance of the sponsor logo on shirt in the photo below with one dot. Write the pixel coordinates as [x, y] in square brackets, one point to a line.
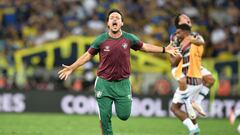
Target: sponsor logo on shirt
[124, 45]
[106, 49]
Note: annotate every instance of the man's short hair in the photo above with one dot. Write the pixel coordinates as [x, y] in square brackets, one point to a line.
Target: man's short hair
[177, 19]
[184, 27]
[112, 11]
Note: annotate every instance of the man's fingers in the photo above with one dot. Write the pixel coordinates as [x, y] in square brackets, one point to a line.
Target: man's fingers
[174, 54]
[61, 71]
[170, 44]
[172, 50]
[176, 51]
[66, 77]
[61, 76]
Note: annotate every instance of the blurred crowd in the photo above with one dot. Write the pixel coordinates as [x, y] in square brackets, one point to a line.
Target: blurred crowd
[31, 23]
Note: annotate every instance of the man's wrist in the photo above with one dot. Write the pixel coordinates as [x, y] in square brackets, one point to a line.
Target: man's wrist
[164, 50]
[71, 67]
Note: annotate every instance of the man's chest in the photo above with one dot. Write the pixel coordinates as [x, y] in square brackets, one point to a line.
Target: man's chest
[114, 47]
[185, 46]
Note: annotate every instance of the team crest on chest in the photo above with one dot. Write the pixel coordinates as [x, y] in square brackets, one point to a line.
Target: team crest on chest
[124, 45]
[106, 48]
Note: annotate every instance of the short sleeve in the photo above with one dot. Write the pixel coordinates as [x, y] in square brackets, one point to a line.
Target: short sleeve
[95, 46]
[136, 43]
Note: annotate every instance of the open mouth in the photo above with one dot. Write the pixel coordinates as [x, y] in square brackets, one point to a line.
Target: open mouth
[114, 24]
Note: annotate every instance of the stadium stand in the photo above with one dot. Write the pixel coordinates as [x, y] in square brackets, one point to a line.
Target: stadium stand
[29, 24]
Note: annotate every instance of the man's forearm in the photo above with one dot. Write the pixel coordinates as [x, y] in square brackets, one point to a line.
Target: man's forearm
[152, 48]
[81, 61]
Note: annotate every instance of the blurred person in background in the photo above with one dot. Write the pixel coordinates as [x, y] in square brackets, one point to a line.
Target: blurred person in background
[188, 70]
[207, 77]
[234, 114]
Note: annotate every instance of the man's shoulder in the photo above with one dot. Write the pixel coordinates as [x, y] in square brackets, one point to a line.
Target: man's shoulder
[129, 35]
[101, 38]
[126, 33]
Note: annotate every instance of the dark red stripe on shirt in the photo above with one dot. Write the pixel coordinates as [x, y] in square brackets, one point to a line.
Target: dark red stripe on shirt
[185, 47]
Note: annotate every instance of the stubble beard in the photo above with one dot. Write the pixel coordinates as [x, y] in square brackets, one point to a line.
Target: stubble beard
[115, 32]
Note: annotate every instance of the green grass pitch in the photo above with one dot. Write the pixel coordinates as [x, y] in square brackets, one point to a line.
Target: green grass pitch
[60, 124]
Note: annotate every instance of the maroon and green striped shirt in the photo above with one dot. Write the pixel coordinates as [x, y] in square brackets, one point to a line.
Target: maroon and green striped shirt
[114, 55]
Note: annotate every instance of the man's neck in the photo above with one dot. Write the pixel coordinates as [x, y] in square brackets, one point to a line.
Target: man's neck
[186, 40]
[115, 35]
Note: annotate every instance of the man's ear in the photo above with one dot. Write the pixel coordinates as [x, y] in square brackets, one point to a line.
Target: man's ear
[107, 25]
[122, 24]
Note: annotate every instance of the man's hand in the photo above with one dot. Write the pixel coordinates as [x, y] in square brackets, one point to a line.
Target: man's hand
[65, 72]
[172, 50]
[197, 39]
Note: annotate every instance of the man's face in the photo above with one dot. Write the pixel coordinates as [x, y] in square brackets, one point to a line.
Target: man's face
[180, 34]
[115, 22]
[184, 19]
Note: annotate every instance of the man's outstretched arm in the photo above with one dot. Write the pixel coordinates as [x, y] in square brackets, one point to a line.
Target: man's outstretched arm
[156, 49]
[67, 70]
